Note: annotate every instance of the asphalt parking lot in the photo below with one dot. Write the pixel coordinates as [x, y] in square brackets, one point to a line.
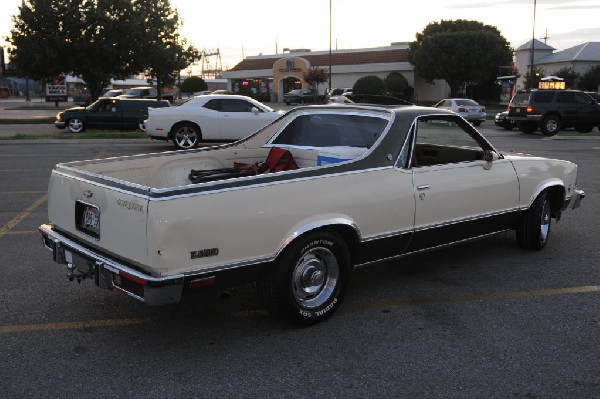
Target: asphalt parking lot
[482, 320]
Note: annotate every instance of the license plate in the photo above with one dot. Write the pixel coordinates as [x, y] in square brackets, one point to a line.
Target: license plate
[91, 218]
[88, 218]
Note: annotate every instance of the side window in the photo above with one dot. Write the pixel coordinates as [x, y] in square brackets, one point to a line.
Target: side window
[215, 105]
[236, 106]
[442, 141]
[582, 98]
[332, 130]
[543, 96]
[566, 97]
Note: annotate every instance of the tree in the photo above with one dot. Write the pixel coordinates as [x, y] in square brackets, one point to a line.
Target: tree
[97, 40]
[370, 84]
[538, 73]
[314, 76]
[193, 84]
[461, 52]
[164, 52]
[590, 81]
[396, 84]
[569, 75]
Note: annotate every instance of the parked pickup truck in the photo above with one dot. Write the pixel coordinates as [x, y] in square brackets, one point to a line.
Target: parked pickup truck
[107, 113]
[147, 92]
[297, 204]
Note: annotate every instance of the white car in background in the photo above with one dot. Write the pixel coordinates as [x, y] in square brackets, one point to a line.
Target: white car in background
[209, 117]
[465, 107]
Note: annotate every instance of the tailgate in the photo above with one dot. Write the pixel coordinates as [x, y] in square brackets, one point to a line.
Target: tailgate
[100, 215]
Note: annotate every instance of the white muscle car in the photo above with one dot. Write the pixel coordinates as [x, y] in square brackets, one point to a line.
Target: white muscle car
[366, 184]
[209, 117]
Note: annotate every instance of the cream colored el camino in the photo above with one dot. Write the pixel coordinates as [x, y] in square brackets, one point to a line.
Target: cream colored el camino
[372, 184]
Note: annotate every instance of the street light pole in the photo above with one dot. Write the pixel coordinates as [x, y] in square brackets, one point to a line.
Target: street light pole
[329, 45]
[530, 80]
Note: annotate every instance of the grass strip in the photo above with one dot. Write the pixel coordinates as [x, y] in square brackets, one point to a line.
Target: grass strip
[99, 134]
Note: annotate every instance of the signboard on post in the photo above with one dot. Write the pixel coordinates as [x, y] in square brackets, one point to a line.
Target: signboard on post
[57, 90]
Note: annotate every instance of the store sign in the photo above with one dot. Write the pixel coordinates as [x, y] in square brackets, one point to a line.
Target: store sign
[56, 90]
[290, 66]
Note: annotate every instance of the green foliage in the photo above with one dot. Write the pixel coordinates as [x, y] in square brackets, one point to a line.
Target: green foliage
[568, 74]
[193, 84]
[396, 84]
[538, 74]
[315, 76]
[461, 52]
[98, 40]
[590, 81]
[370, 84]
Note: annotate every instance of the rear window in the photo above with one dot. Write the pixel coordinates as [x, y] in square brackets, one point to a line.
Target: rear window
[466, 102]
[520, 99]
[332, 130]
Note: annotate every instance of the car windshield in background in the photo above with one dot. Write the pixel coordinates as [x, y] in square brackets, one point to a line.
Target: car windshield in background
[332, 130]
[520, 99]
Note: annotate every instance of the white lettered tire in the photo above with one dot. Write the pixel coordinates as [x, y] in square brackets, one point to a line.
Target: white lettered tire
[309, 280]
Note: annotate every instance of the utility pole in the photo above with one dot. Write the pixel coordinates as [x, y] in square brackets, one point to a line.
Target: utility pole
[530, 80]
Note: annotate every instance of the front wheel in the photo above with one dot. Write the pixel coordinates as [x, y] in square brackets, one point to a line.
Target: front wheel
[534, 229]
[551, 125]
[309, 280]
[186, 136]
[75, 125]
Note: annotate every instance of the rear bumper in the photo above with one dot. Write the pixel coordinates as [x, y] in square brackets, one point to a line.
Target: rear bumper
[83, 263]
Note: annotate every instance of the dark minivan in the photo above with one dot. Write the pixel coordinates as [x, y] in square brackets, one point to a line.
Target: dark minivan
[108, 113]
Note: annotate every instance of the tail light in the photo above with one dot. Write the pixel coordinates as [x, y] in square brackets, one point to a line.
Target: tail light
[529, 110]
[461, 109]
[482, 109]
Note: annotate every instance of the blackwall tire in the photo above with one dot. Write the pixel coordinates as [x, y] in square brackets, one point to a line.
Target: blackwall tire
[309, 280]
[75, 125]
[534, 230]
[551, 125]
[186, 136]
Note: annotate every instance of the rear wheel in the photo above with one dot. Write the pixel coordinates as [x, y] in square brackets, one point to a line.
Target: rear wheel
[534, 229]
[75, 125]
[309, 280]
[551, 125]
[186, 136]
[476, 123]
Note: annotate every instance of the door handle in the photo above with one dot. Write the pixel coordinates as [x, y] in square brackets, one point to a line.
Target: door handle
[423, 187]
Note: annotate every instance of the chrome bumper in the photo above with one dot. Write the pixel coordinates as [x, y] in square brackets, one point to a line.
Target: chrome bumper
[83, 263]
[575, 200]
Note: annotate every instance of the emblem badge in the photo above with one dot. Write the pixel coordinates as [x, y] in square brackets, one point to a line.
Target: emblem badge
[88, 194]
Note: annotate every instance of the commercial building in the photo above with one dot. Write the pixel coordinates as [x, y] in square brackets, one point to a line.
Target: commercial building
[268, 77]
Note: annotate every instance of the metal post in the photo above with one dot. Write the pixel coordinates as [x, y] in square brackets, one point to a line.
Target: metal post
[530, 81]
[329, 45]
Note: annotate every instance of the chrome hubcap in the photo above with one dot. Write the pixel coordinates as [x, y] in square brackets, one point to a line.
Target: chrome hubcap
[545, 225]
[315, 277]
[186, 137]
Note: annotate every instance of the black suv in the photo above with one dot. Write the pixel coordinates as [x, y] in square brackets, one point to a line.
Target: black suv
[553, 110]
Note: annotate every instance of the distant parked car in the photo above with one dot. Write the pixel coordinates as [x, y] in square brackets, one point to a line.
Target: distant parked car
[301, 96]
[337, 92]
[203, 93]
[380, 99]
[147, 92]
[107, 113]
[501, 119]
[467, 108]
[209, 117]
[113, 93]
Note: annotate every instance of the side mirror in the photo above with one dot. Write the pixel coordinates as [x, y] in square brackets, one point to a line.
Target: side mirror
[489, 157]
[255, 110]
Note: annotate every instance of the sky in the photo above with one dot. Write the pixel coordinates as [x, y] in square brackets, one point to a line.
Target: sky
[242, 28]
